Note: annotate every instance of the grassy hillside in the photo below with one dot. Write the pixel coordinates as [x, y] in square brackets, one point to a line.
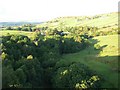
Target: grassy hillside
[104, 61]
[103, 20]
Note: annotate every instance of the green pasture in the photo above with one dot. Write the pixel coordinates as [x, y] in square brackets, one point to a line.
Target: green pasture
[15, 32]
[109, 19]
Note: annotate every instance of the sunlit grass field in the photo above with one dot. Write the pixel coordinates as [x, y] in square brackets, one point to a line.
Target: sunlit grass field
[112, 47]
[104, 20]
[15, 32]
[104, 61]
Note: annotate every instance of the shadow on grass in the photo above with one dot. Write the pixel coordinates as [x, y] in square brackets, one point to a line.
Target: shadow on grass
[106, 65]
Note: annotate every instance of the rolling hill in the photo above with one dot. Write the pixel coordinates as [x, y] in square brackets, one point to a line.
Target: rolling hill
[100, 21]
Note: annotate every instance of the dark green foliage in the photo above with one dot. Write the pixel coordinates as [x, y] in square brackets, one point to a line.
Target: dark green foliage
[20, 75]
[8, 77]
[25, 29]
[69, 75]
[18, 28]
[31, 62]
[9, 28]
[23, 71]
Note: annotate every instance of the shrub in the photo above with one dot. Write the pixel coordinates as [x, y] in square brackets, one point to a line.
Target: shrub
[18, 28]
[25, 29]
[9, 28]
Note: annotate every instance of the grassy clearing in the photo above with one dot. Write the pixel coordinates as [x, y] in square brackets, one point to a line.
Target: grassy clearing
[26, 33]
[105, 62]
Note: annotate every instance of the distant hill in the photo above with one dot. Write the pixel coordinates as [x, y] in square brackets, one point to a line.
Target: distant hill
[17, 23]
[100, 21]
